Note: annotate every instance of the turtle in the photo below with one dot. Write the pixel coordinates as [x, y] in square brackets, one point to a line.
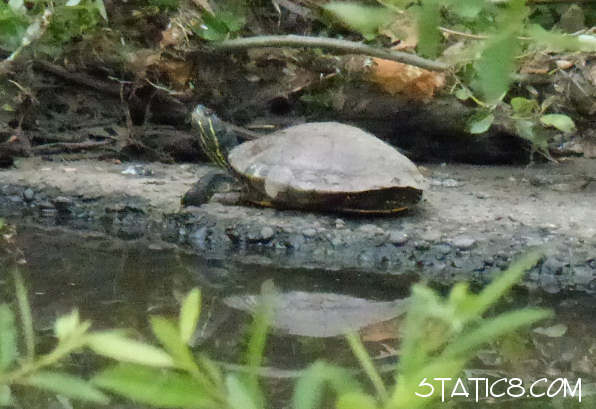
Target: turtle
[321, 315]
[321, 166]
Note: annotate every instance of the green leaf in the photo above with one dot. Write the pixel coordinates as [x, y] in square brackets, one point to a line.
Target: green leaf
[526, 129]
[66, 325]
[480, 122]
[562, 122]
[190, 311]
[524, 107]
[355, 400]
[101, 9]
[554, 41]
[505, 281]
[157, 387]
[8, 337]
[468, 9]
[404, 396]
[496, 66]
[308, 393]
[67, 385]
[17, 6]
[25, 313]
[116, 346]
[239, 396]
[258, 335]
[212, 29]
[364, 19]
[429, 36]
[5, 396]
[369, 368]
[494, 328]
[463, 94]
[234, 21]
[169, 336]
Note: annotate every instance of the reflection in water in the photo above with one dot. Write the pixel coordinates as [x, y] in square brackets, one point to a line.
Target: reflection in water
[119, 284]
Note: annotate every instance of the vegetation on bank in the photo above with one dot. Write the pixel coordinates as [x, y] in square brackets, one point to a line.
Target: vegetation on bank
[493, 50]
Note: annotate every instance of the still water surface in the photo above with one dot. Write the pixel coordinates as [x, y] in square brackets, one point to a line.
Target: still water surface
[119, 284]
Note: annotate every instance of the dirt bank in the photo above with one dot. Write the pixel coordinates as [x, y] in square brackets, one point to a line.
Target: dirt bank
[473, 220]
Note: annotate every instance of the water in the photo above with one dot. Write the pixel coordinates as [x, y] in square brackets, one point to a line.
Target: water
[119, 284]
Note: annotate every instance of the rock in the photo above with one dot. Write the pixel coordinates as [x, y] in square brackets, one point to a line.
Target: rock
[552, 266]
[583, 275]
[310, 232]
[339, 223]
[267, 233]
[443, 248]
[371, 229]
[430, 235]
[46, 205]
[199, 237]
[463, 242]
[28, 194]
[451, 183]
[62, 203]
[336, 241]
[398, 238]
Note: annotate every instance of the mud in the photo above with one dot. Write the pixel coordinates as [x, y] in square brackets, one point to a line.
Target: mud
[471, 223]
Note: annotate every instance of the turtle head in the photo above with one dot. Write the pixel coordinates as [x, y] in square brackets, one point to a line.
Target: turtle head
[215, 138]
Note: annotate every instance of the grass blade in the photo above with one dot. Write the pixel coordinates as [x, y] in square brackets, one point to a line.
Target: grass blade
[367, 364]
[8, 338]
[67, 385]
[25, 314]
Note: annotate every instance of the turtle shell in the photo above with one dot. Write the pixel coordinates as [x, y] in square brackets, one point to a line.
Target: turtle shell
[328, 166]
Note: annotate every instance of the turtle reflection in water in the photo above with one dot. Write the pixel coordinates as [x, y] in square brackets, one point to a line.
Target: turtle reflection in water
[321, 314]
[317, 166]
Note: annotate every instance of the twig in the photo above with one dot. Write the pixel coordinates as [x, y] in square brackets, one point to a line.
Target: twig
[476, 36]
[69, 146]
[342, 46]
[79, 78]
[33, 33]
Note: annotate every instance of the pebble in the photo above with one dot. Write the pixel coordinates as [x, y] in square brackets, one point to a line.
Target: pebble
[430, 235]
[336, 242]
[309, 232]
[199, 237]
[46, 205]
[62, 203]
[267, 233]
[443, 248]
[583, 275]
[28, 194]
[463, 242]
[371, 229]
[451, 183]
[398, 238]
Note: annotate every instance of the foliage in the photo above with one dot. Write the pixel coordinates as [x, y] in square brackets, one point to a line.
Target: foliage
[441, 335]
[26, 368]
[69, 19]
[484, 41]
[224, 22]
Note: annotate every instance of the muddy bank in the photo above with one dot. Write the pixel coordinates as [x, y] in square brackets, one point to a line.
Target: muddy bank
[472, 221]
